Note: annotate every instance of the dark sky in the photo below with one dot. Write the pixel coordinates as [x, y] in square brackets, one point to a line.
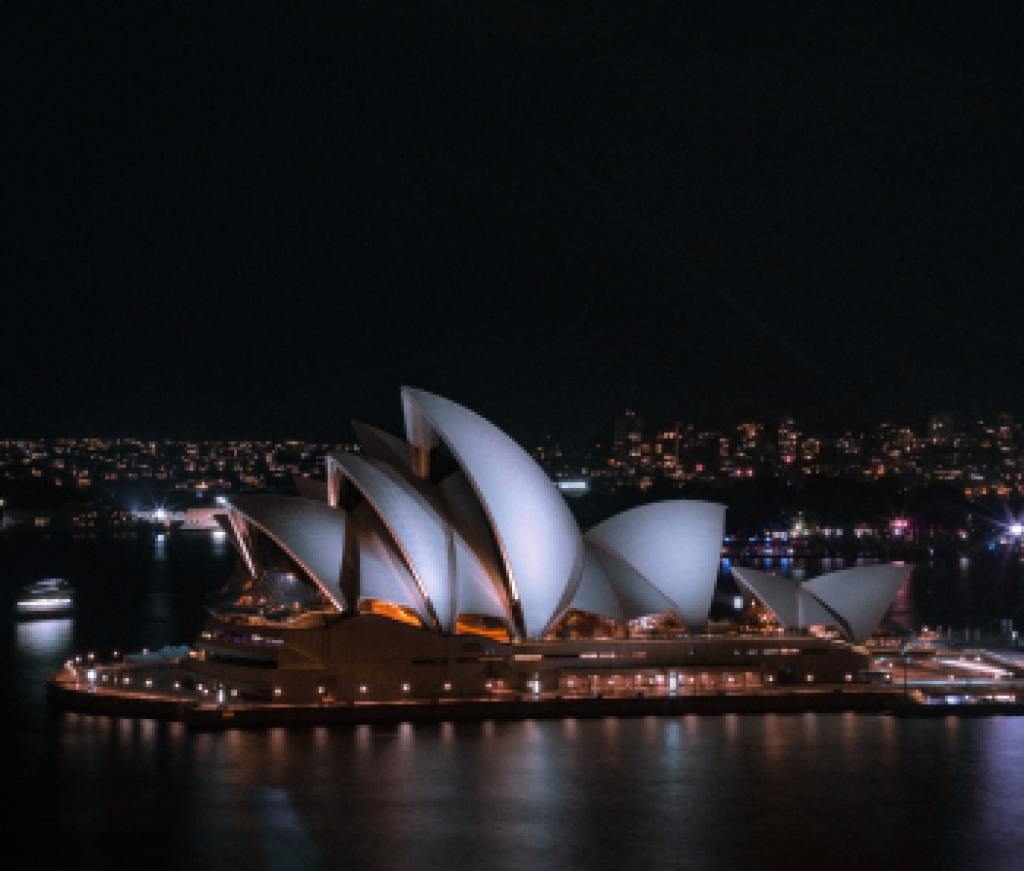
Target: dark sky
[254, 218]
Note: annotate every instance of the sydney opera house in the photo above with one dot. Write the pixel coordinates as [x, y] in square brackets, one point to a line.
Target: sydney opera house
[447, 564]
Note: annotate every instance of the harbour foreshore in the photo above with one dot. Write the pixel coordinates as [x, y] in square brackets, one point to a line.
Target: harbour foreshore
[65, 694]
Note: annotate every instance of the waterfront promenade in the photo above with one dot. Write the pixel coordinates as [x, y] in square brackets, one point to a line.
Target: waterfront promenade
[68, 690]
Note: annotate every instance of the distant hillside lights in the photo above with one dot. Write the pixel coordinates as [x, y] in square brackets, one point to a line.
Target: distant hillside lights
[983, 460]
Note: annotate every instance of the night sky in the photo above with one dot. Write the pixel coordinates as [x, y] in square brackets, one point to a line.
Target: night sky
[252, 218]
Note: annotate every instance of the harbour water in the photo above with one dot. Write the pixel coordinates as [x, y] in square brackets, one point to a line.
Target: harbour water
[839, 791]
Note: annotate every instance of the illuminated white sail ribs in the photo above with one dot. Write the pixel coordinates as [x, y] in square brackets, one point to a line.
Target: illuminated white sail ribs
[674, 546]
[852, 600]
[382, 446]
[861, 595]
[634, 594]
[537, 537]
[240, 541]
[309, 532]
[417, 531]
[792, 606]
[595, 593]
[475, 590]
[384, 577]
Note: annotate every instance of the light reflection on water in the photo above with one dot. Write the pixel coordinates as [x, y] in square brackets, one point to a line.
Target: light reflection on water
[768, 791]
[46, 639]
[1001, 763]
[720, 791]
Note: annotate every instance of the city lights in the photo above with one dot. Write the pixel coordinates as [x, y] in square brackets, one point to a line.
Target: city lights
[637, 456]
[619, 389]
[809, 634]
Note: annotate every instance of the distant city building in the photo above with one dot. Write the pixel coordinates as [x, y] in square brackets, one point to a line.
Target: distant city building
[93, 483]
[628, 446]
[940, 428]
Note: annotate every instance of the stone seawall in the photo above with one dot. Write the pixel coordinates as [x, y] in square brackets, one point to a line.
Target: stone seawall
[205, 716]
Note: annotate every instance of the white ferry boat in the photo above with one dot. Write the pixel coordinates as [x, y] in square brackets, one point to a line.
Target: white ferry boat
[49, 597]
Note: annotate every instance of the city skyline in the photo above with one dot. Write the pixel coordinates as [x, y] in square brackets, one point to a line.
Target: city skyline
[863, 483]
[513, 435]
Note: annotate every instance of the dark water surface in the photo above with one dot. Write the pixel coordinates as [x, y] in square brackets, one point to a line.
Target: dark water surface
[770, 791]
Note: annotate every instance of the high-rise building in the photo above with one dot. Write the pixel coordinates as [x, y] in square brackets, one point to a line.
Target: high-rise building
[627, 443]
[940, 428]
[788, 440]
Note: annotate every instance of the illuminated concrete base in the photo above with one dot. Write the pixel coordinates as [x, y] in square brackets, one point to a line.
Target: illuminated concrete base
[327, 668]
[370, 658]
[328, 660]
[67, 696]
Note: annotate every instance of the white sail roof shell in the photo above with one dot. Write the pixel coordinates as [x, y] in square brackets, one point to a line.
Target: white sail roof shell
[595, 593]
[793, 606]
[417, 530]
[311, 533]
[383, 576]
[479, 585]
[475, 591]
[637, 597]
[855, 600]
[675, 546]
[537, 536]
[380, 445]
[860, 595]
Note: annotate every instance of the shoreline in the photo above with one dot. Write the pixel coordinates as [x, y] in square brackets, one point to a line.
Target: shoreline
[205, 717]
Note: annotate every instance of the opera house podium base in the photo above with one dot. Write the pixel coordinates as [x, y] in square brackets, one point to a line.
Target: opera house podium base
[372, 669]
[65, 695]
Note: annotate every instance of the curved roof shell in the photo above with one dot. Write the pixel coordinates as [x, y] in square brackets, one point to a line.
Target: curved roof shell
[380, 445]
[791, 604]
[675, 546]
[594, 592]
[475, 590]
[536, 534]
[382, 573]
[480, 588]
[311, 533]
[636, 596]
[860, 595]
[854, 600]
[417, 531]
